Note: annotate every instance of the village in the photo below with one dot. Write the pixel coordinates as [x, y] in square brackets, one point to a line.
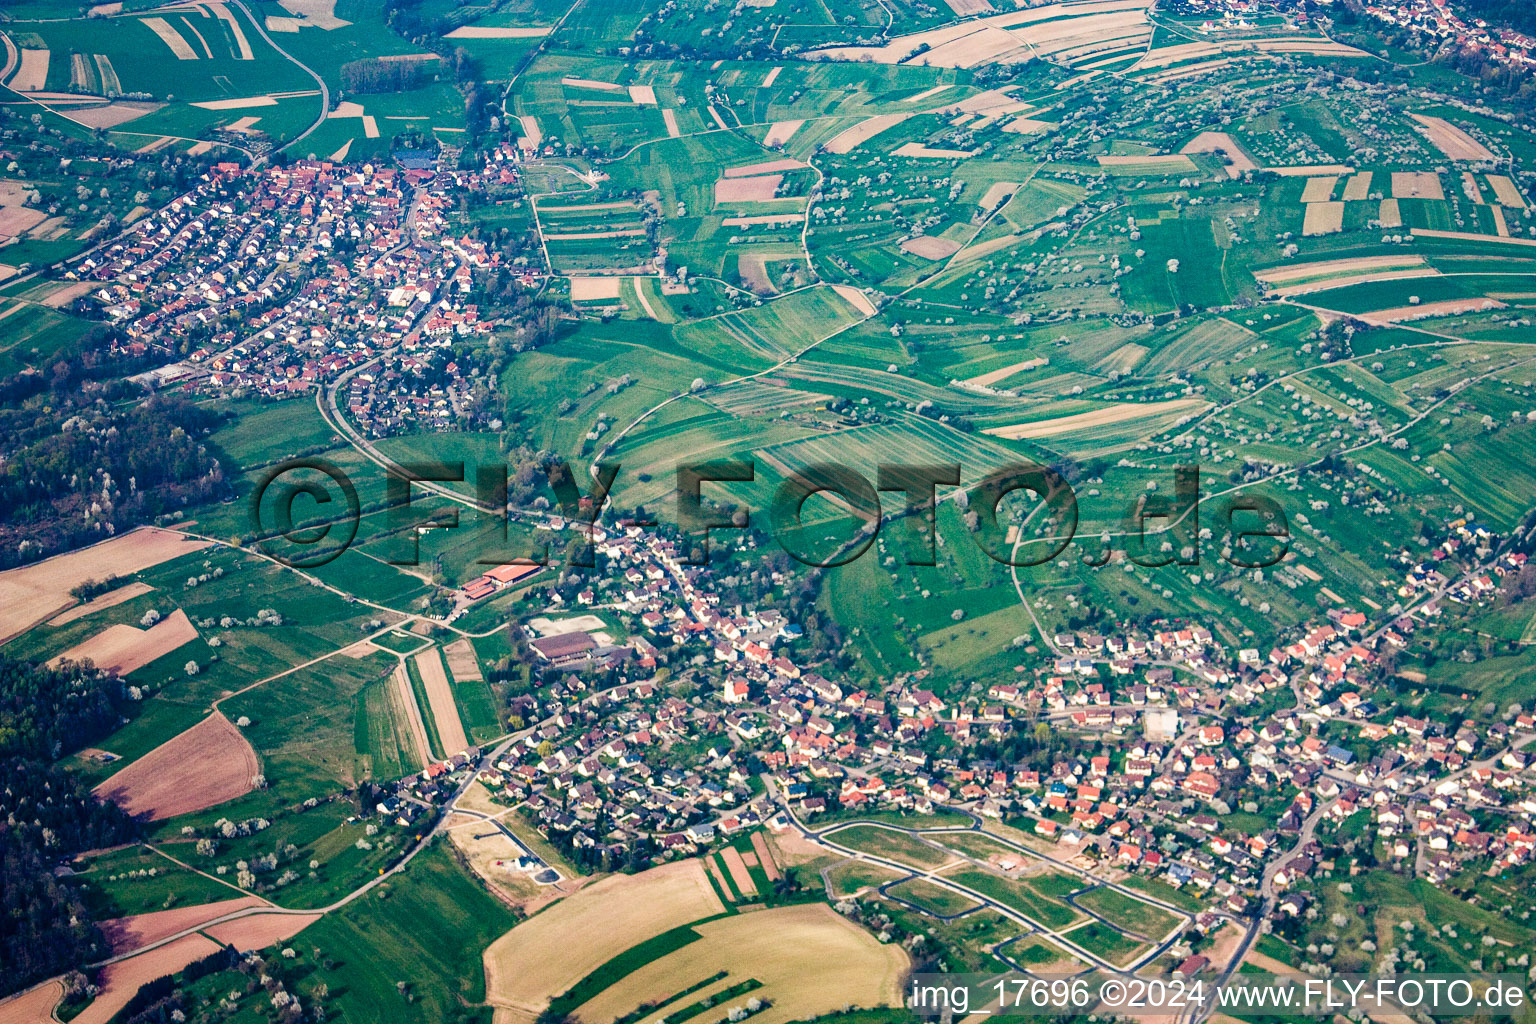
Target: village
[1436, 20]
[275, 282]
[291, 280]
[1172, 734]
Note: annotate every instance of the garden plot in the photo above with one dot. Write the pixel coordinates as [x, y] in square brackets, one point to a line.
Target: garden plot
[96, 604]
[492, 32]
[119, 982]
[855, 298]
[125, 934]
[987, 380]
[1027, 126]
[1178, 74]
[1318, 190]
[996, 193]
[1505, 191]
[1309, 170]
[761, 188]
[320, 14]
[761, 397]
[852, 138]
[1416, 185]
[780, 132]
[930, 247]
[124, 649]
[916, 150]
[445, 711]
[1468, 236]
[17, 220]
[590, 83]
[403, 699]
[113, 114]
[1358, 187]
[1329, 274]
[173, 40]
[761, 220]
[595, 289]
[463, 664]
[808, 961]
[1004, 38]
[1113, 415]
[31, 71]
[1159, 163]
[1448, 307]
[765, 167]
[345, 110]
[258, 931]
[992, 103]
[546, 955]
[1238, 160]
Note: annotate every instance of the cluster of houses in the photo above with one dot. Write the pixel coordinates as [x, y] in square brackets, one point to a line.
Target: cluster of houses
[1180, 732]
[1438, 19]
[289, 277]
[1434, 19]
[278, 280]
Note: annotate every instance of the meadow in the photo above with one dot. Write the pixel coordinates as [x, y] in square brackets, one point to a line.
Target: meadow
[425, 927]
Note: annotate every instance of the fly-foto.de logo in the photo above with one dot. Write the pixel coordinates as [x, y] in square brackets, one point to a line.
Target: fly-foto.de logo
[307, 512]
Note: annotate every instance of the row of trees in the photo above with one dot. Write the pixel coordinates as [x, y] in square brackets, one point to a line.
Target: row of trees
[372, 75]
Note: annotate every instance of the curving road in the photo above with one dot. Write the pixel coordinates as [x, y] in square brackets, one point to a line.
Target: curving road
[325, 90]
[822, 838]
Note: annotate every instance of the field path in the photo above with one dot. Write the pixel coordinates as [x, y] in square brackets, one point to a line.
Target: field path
[1444, 342]
[645, 302]
[445, 713]
[619, 435]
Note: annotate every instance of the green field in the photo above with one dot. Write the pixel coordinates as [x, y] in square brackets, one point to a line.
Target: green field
[1122, 911]
[1027, 895]
[892, 845]
[425, 927]
[932, 897]
[1107, 943]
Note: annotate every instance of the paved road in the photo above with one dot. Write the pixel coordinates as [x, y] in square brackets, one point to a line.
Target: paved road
[325, 90]
[1197, 1013]
[821, 838]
